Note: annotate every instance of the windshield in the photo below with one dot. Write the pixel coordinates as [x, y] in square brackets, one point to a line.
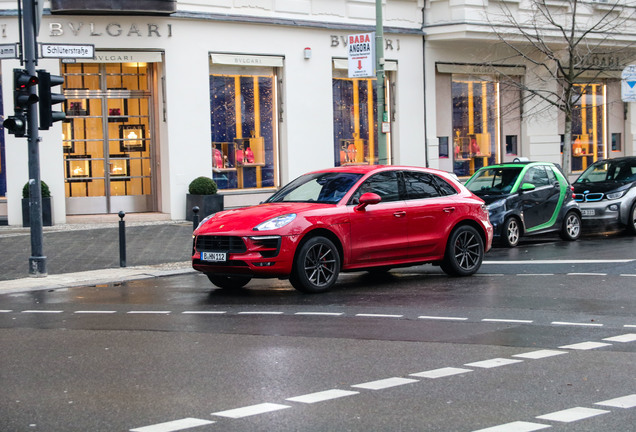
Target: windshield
[328, 188]
[623, 171]
[494, 181]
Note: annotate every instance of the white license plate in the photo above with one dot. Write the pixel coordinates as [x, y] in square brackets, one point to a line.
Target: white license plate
[587, 212]
[214, 256]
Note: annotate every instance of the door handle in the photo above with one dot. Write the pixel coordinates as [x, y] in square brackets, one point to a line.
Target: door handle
[399, 214]
[449, 209]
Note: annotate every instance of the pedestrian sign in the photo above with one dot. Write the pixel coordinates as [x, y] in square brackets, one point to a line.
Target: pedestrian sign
[628, 84]
[361, 55]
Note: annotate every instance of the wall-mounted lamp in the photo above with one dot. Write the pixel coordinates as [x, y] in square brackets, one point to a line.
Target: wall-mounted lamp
[307, 53]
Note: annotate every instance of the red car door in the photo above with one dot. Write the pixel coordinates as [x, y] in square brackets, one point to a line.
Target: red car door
[379, 231]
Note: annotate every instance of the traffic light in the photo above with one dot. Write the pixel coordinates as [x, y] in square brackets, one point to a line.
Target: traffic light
[22, 98]
[48, 99]
[15, 125]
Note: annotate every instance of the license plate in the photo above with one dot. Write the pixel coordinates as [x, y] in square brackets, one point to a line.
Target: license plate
[214, 256]
[587, 212]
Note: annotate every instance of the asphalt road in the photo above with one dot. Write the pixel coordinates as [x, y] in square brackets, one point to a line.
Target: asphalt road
[544, 336]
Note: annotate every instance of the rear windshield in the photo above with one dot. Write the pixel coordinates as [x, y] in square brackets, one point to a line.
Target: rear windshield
[494, 181]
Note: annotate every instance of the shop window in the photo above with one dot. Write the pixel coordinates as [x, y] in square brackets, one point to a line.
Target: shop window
[243, 136]
[475, 123]
[616, 142]
[588, 125]
[443, 146]
[511, 145]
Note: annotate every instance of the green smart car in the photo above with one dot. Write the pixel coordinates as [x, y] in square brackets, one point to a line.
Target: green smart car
[527, 198]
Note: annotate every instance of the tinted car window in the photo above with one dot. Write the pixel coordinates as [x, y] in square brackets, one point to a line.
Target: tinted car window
[620, 171]
[420, 185]
[537, 176]
[498, 180]
[444, 187]
[384, 184]
[328, 188]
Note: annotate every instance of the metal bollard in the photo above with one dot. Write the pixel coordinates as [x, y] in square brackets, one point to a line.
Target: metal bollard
[122, 240]
[195, 217]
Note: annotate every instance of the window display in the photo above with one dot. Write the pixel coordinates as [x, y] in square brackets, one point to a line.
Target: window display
[588, 126]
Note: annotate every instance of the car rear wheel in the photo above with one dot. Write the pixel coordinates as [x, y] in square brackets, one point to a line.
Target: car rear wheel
[631, 222]
[571, 229]
[316, 266]
[511, 232]
[464, 252]
[228, 282]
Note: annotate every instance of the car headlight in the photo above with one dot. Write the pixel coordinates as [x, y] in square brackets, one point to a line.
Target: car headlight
[615, 195]
[275, 223]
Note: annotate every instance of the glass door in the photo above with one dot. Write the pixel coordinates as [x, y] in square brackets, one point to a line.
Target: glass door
[108, 147]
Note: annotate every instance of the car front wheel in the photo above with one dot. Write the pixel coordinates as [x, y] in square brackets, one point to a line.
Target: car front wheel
[571, 229]
[228, 282]
[316, 266]
[464, 252]
[511, 232]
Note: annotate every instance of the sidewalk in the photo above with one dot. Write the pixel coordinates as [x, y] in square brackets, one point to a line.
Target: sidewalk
[86, 251]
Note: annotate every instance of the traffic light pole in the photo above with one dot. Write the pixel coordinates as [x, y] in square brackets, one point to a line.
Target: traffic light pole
[37, 260]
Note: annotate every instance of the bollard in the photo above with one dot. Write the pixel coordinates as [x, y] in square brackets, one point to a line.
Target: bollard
[195, 217]
[122, 240]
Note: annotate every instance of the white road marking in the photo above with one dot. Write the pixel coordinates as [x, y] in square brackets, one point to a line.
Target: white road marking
[535, 274]
[518, 426]
[385, 383]
[572, 414]
[503, 320]
[560, 261]
[441, 372]
[621, 402]
[95, 312]
[251, 410]
[150, 312]
[172, 426]
[260, 313]
[443, 318]
[586, 274]
[203, 312]
[629, 337]
[320, 313]
[378, 315]
[628, 275]
[5, 311]
[534, 355]
[322, 396]
[42, 311]
[576, 324]
[585, 346]
[492, 363]
[630, 325]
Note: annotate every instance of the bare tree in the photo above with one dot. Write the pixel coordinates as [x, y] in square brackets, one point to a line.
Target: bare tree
[562, 42]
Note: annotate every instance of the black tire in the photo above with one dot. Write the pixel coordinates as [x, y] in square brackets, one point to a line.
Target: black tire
[571, 229]
[464, 252]
[316, 266]
[511, 232]
[228, 282]
[631, 222]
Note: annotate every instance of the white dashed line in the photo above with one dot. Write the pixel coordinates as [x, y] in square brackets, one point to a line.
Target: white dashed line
[385, 383]
[492, 363]
[630, 337]
[260, 313]
[95, 312]
[621, 402]
[512, 321]
[628, 275]
[585, 346]
[320, 313]
[630, 325]
[378, 315]
[441, 372]
[572, 261]
[251, 410]
[5, 311]
[322, 396]
[572, 414]
[576, 324]
[535, 274]
[586, 274]
[443, 318]
[534, 355]
[42, 311]
[150, 312]
[518, 426]
[203, 312]
[172, 426]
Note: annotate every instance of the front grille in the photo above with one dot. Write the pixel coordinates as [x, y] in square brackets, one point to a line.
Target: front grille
[231, 244]
[593, 197]
[579, 197]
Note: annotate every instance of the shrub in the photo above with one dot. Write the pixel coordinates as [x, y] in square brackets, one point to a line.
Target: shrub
[202, 186]
[46, 193]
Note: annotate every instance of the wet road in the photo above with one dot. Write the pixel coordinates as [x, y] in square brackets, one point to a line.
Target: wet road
[544, 336]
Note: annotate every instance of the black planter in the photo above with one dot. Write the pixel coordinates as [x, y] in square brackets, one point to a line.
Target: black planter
[207, 204]
[47, 215]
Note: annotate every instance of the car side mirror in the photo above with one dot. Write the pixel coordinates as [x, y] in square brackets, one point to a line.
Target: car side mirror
[527, 187]
[366, 199]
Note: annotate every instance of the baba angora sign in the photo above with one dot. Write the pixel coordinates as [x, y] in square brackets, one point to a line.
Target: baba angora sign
[361, 49]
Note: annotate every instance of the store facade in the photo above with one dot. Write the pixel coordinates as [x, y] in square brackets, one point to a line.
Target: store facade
[251, 101]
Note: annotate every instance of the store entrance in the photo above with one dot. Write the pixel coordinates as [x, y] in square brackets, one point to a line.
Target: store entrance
[107, 138]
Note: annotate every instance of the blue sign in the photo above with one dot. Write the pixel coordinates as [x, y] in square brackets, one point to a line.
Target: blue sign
[628, 84]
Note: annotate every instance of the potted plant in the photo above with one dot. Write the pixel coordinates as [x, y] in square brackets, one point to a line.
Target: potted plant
[47, 214]
[202, 193]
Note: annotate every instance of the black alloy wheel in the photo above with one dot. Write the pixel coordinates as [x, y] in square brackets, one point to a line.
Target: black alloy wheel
[316, 266]
[464, 252]
[228, 282]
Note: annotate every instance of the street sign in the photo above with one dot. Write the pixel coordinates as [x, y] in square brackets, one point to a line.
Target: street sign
[628, 84]
[8, 51]
[65, 51]
[361, 55]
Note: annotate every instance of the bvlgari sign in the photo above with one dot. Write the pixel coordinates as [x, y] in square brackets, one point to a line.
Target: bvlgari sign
[112, 29]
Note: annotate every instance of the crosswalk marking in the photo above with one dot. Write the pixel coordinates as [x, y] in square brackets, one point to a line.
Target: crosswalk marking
[572, 414]
[251, 410]
[621, 402]
[585, 346]
[518, 426]
[441, 372]
[539, 354]
[173, 426]
[322, 396]
[492, 363]
[385, 383]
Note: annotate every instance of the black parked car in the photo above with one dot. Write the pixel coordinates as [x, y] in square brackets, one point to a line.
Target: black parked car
[527, 198]
[606, 193]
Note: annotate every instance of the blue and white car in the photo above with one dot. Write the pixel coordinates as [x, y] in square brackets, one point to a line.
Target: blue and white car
[606, 193]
